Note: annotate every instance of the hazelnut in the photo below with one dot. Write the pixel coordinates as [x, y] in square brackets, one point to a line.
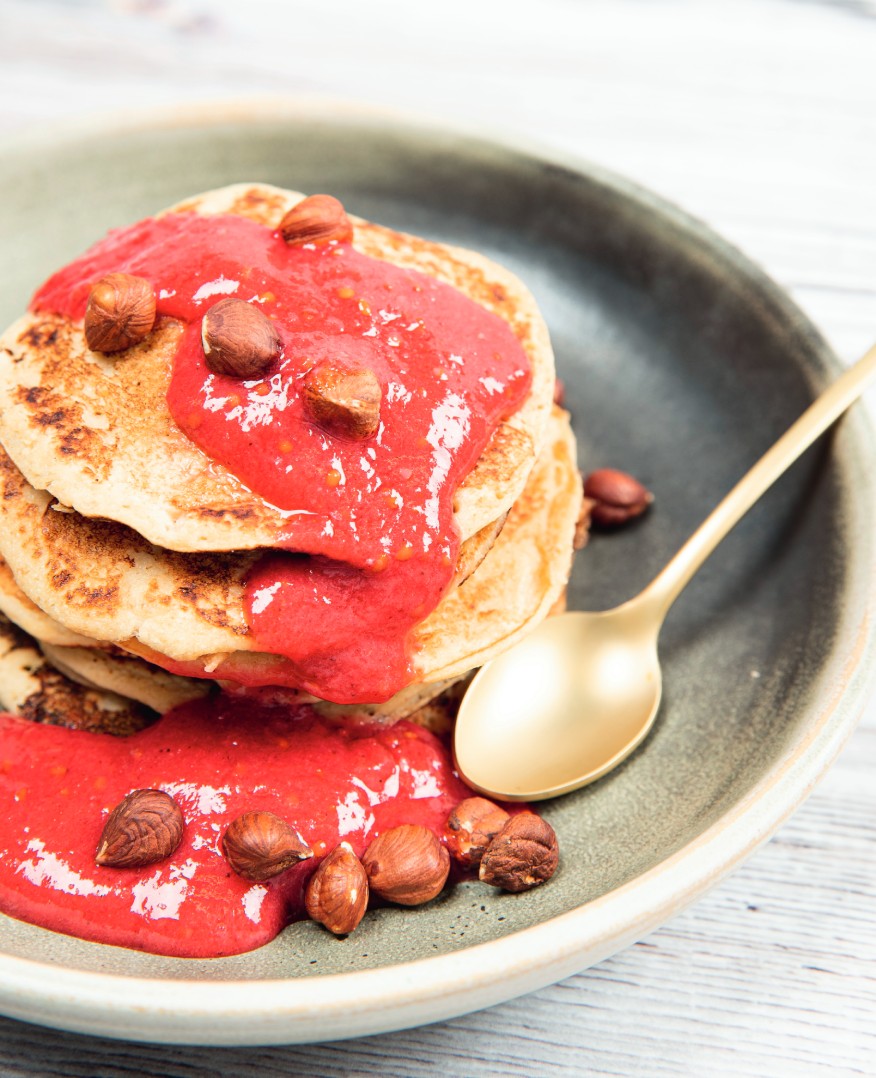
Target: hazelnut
[145, 827]
[259, 845]
[239, 340]
[316, 219]
[617, 497]
[120, 312]
[407, 865]
[523, 855]
[346, 401]
[471, 827]
[337, 895]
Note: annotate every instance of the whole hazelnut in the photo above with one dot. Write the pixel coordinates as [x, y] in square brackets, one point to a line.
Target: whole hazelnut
[345, 401]
[145, 827]
[337, 895]
[259, 845]
[239, 340]
[406, 865]
[316, 219]
[471, 827]
[616, 496]
[524, 854]
[120, 312]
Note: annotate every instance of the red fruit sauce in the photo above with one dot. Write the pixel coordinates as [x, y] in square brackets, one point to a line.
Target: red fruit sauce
[375, 516]
[218, 759]
[366, 551]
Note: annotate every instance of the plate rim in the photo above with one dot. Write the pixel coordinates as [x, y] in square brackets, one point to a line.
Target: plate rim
[343, 1005]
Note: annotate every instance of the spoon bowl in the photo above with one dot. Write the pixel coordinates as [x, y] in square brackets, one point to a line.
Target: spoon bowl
[593, 680]
[575, 697]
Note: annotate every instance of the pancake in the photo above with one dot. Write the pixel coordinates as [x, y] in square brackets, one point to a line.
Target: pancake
[119, 672]
[33, 621]
[25, 614]
[31, 688]
[105, 581]
[426, 704]
[523, 577]
[95, 432]
[123, 673]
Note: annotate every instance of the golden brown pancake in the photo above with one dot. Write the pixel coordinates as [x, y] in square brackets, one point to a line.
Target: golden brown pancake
[31, 688]
[95, 431]
[104, 581]
[422, 703]
[116, 671]
[29, 618]
[124, 539]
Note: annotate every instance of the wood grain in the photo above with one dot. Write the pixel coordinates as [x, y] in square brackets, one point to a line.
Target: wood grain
[758, 116]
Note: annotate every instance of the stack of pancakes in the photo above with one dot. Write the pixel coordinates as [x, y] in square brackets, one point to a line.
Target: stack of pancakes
[126, 548]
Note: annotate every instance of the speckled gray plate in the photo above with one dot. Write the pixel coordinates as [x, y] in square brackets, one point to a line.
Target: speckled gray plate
[682, 363]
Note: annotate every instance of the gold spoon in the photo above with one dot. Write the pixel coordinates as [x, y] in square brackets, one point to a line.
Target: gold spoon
[576, 696]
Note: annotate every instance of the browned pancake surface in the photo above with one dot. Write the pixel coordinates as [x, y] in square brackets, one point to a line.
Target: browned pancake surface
[103, 580]
[95, 431]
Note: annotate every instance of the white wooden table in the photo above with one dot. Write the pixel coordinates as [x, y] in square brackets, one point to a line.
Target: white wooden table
[758, 116]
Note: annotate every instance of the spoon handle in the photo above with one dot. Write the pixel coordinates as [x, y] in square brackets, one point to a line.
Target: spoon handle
[823, 411]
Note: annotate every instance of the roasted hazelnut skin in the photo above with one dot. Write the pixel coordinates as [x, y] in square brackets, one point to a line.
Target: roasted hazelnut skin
[471, 827]
[239, 340]
[317, 219]
[144, 828]
[407, 865]
[120, 312]
[337, 895]
[259, 845]
[523, 855]
[344, 401]
[616, 496]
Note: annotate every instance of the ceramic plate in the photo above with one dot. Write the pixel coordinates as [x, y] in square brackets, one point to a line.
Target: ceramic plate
[682, 363]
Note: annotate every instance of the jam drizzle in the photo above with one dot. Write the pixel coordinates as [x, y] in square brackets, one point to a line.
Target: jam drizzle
[374, 517]
[218, 759]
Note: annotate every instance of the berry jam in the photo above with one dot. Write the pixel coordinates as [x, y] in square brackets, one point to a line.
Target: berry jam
[369, 545]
